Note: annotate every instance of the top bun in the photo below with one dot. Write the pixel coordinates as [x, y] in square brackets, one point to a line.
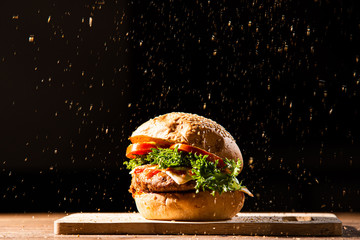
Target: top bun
[191, 129]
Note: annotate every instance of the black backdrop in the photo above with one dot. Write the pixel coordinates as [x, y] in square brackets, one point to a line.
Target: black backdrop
[77, 77]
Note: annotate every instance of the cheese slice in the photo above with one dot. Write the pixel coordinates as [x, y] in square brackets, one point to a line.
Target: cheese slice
[177, 177]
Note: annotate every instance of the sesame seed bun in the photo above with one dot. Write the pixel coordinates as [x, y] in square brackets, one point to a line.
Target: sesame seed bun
[191, 129]
[189, 206]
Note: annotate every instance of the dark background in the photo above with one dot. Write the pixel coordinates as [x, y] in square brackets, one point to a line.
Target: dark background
[77, 77]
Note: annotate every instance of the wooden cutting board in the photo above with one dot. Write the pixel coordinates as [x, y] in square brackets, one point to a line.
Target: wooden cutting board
[269, 224]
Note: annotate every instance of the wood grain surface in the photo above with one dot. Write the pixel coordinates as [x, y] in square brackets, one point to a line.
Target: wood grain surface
[41, 226]
[269, 224]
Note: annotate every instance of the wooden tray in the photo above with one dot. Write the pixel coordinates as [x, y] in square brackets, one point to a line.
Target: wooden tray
[294, 224]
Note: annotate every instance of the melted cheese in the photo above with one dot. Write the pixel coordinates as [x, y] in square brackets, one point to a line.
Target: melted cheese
[179, 178]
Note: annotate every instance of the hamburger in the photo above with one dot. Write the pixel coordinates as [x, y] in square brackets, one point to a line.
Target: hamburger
[185, 167]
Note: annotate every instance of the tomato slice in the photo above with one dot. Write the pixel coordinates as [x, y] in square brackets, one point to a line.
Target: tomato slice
[139, 149]
[187, 148]
[158, 141]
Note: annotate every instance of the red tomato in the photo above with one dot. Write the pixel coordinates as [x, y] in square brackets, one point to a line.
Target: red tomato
[139, 149]
[158, 141]
[187, 148]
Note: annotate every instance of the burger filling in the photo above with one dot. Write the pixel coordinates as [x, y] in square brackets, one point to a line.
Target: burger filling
[149, 178]
[181, 167]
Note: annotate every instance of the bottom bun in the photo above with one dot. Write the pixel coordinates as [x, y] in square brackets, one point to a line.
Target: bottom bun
[189, 206]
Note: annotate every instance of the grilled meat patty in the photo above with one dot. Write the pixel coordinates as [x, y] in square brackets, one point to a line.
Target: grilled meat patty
[147, 179]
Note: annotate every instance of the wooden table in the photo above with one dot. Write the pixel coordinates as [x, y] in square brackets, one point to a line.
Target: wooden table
[41, 226]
